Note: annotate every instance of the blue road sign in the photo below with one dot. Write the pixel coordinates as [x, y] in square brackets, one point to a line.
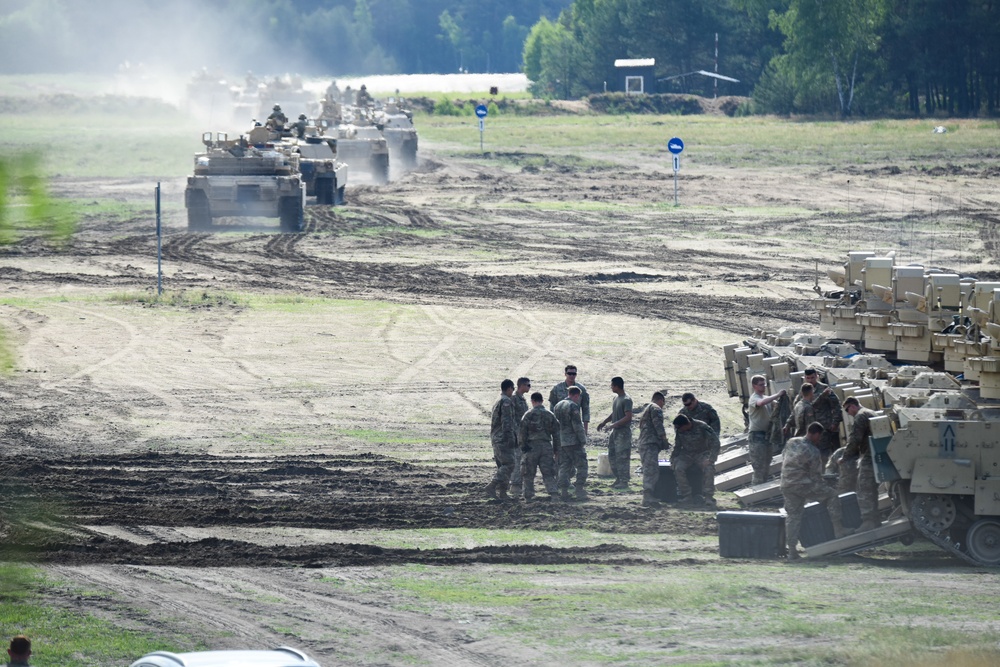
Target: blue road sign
[481, 111]
[675, 146]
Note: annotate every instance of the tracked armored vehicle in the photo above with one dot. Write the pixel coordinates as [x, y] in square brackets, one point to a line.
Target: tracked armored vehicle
[359, 141]
[400, 135]
[236, 178]
[324, 174]
[932, 379]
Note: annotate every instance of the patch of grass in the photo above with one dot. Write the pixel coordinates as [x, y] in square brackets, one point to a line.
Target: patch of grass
[181, 299]
[64, 638]
[6, 353]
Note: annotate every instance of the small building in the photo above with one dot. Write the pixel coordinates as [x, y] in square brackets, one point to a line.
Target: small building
[635, 75]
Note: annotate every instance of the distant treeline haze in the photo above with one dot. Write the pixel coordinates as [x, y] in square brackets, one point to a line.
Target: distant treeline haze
[843, 57]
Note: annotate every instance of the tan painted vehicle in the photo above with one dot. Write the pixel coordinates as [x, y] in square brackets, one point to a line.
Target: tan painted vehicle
[936, 441]
[244, 177]
[360, 143]
[396, 124]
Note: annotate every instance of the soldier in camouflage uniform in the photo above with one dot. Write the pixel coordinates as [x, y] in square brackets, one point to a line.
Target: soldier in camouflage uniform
[572, 442]
[538, 437]
[695, 409]
[826, 407]
[620, 441]
[802, 414]
[520, 408]
[697, 445]
[504, 440]
[561, 391]
[859, 450]
[802, 481]
[652, 440]
[759, 412]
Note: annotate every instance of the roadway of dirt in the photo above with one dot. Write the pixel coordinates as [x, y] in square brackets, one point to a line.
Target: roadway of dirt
[159, 435]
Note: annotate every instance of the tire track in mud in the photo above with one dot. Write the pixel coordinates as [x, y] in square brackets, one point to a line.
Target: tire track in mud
[193, 600]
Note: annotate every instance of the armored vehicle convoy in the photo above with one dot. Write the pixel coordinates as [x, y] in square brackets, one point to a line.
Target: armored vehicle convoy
[244, 177]
[324, 174]
[359, 141]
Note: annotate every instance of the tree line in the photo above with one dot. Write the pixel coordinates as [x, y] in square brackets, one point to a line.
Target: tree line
[844, 57]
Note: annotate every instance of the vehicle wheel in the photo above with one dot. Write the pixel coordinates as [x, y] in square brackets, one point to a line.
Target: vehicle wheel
[291, 215]
[983, 541]
[935, 512]
[198, 211]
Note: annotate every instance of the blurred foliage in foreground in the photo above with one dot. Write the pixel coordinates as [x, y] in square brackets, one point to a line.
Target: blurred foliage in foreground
[25, 202]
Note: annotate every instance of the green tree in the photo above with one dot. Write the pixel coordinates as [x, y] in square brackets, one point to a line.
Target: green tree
[834, 40]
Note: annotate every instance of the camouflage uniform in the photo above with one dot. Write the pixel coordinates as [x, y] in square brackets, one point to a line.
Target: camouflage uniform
[520, 409]
[706, 413]
[572, 441]
[828, 413]
[539, 436]
[502, 428]
[561, 391]
[757, 438]
[857, 447]
[699, 447]
[803, 414]
[277, 119]
[620, 441]
[845, 468]
[801, 481]
[652, 439]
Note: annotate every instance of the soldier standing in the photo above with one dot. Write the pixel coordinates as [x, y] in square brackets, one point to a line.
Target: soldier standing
[858, 449]
[826, 406]
[520, 408]
[652, 440]
[802, 414]
[695, 409]
[572, 444]
[364, 98]
[539, 441]
[801, 481]
[561, 391]
[759, 411]
[277, 119]
[695, 445]
[300, 126]
[502, 428]
[620, 440]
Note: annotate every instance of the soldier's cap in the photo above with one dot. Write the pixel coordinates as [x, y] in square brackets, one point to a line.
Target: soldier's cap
[302, 116]
[276, 107]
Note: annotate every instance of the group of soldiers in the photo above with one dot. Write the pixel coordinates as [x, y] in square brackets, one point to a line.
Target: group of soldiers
[553, 440]
[814, 450]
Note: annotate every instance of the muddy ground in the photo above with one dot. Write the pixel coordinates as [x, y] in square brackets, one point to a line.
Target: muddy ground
[305, 392]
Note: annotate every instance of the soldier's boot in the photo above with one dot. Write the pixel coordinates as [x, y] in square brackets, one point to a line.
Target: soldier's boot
[793, 553]
[564, 495]
[491, 489]
[649, 500]
[502, 492]
[683, 501]
[515, 491]
[710, 503]
[529, 491]
[581, 493]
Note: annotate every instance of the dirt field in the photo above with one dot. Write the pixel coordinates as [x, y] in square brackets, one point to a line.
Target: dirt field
[309, 403]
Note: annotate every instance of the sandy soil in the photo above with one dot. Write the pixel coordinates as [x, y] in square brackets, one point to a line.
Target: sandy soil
[215, 459]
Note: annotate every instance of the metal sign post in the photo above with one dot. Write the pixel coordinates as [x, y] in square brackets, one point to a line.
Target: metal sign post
[675, 146]
[159, 245]
[482, 112]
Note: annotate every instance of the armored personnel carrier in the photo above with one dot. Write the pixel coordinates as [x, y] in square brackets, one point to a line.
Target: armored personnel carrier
[244, 177]
[932, 381]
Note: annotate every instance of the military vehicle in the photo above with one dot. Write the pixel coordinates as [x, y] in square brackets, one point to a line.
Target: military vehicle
[359, 141]
[325, 175]
[245, 177]
[396, 125]
[934, 443]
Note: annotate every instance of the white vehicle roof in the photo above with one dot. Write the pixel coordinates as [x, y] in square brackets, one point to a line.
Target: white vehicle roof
[282, 656]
